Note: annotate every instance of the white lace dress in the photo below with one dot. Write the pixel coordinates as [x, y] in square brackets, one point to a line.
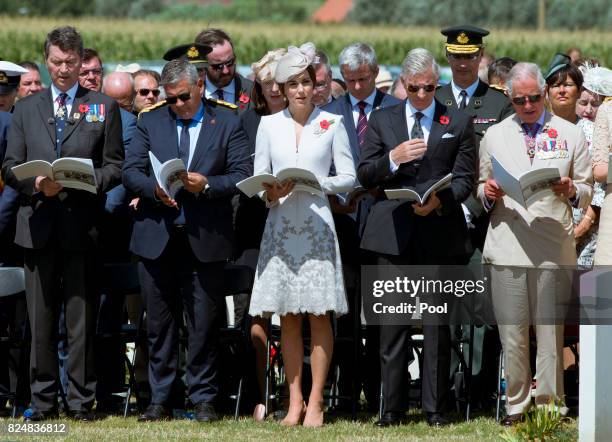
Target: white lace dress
[299, 268]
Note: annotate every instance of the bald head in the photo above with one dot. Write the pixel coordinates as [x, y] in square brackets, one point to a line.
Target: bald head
[120, 86]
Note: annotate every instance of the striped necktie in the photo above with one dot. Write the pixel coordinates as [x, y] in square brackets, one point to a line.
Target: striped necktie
[362, 122]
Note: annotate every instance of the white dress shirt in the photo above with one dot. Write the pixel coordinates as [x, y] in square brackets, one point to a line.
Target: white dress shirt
[426, 122]
[71, 94]
[368, 109]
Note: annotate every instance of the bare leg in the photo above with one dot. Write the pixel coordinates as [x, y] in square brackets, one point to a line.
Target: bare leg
[259, 335]
[320, 357]
[292, 347]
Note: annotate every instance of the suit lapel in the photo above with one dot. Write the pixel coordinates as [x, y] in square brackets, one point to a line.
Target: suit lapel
[476, 99]
[399, 123]
[445, 96]
[81, 97]
[378, 99]
[437, 130]
[516, 146]
[205, 138]
[45, 108]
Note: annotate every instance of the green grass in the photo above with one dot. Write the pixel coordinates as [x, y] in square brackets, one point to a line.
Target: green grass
[124, 40]
[480, 429]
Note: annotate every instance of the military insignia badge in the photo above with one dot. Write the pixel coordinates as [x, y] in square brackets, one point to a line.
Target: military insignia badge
[77, 116]
[96, 112]
[3, 78]
[463, 38]
[448, 102]
[477, 102]
[61, 113]
[193, 52]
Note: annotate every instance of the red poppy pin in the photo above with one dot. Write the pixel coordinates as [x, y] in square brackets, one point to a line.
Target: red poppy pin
[552, 133]
[83, 108]
[324, 124]
[444, 119]
[244, 98]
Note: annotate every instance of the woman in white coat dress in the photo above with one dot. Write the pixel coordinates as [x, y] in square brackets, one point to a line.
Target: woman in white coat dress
[299, 269]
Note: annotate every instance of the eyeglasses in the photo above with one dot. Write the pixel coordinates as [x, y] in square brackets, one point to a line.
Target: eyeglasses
[473, 56]
[320, 86]
[413, 88]
[94, 72]
[145, 92]
[183, 97]
[226, 64]
[520, 101]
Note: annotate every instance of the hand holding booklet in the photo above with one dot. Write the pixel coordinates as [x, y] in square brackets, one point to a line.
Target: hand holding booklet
[528, 187]
[73, 173]
[168, 174]
[305, 181]
[413, 195]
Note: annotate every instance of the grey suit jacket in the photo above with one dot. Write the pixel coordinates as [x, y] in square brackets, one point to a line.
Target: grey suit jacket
[73, 215]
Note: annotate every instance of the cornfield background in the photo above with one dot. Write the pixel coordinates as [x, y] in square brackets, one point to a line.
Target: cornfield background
[127, 40]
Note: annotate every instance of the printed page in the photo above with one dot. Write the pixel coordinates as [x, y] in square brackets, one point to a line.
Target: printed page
[75, 173]
[33, 169]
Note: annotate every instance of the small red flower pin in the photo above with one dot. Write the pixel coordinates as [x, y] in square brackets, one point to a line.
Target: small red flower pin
[244, 98]
[444, 119]
[552, 133]
[83, 108]
[324, 124]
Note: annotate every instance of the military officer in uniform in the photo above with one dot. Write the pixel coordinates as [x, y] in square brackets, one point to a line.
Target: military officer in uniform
[196, 53]
[487, 106]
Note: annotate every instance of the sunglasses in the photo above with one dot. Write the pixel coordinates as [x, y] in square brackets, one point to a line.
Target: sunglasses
[145, 92]
[520, 101]
[183, 97]
[473, 56]
[219, 66]
[413, 88]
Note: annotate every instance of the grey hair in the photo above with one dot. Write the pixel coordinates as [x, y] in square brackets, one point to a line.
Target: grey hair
[419, 61]
[358, 54]
[177, 70]
[525, 70]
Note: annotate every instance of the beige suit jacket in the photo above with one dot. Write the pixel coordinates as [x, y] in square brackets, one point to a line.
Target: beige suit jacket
[542, 235]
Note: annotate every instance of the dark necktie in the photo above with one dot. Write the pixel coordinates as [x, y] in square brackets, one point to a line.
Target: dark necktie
[417, 132]
[61, 116]
[362, 122]
[220, 94]
[463, 102]
[184, 142]
[183, 155]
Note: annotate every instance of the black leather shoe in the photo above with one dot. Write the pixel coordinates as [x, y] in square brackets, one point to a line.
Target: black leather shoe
[82, 416]
[390, 418]
[512, 419]
[38, 416]
[205, 412]
[154, 413]
[436, 420]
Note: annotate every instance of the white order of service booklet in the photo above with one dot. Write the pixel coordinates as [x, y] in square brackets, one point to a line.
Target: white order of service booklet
[70, 172]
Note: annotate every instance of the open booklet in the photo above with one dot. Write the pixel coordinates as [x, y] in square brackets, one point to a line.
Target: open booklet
[305, 181]
[528, 187]
[168, 174]
[412, 195]
[74, 173]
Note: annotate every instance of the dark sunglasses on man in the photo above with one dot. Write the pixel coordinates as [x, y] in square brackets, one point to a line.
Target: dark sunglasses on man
[219, 66]
[520, 101]
[183, 97]
[144, 92]
[414, 88]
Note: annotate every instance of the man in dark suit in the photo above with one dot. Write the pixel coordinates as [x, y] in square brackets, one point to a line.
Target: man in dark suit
[359, 68]
[486, 106]
[411, 145]
[184, 243]
[59, 227]
[222, 81]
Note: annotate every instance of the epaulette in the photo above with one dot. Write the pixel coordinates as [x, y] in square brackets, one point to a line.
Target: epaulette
[605, 100]
[498, 88]
[153, 107]
[222, 103]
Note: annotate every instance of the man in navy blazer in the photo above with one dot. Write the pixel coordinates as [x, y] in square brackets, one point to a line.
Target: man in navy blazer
[359, 68]
[415, 144]
[184, 242]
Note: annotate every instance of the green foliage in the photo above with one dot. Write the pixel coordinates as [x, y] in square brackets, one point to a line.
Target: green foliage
[128, 40]
[542, 423]
[560, 14]
[242, 11]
